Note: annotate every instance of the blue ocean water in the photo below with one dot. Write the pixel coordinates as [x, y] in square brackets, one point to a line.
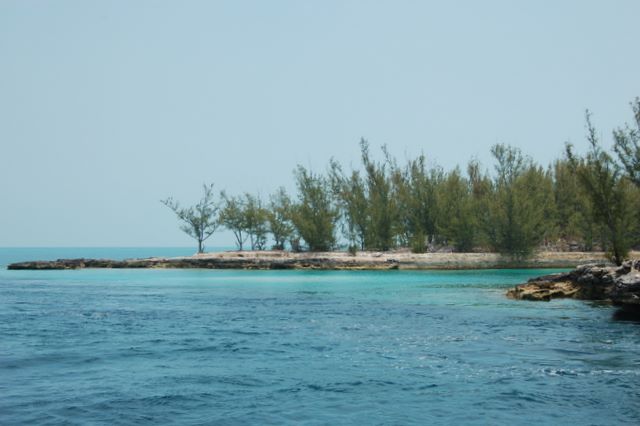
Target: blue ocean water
[297, 347]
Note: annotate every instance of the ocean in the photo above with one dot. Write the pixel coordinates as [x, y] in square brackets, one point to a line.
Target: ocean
[303, 347]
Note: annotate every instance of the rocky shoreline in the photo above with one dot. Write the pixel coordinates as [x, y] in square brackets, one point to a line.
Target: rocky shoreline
[326, 261]
[619, 285]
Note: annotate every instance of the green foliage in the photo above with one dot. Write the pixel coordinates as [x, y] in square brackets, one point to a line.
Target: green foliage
[350, 195]
[481, 188]
[381, 205]
[417, 242]
[627, 145]
[574, 216]
[279, 218]
[456, 220]
[255, 221]
[366, 203]
[610, 193]
[589, 201]
[416, 194]
[246, 219]
[314, 216]
[232, 217]
[534, 191]
[199, 221]
[520, 203]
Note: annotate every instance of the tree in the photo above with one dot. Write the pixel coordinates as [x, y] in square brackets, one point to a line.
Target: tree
[199, 221]
[350, 193]
[314, 216]
[415, 190]
[627, 145]
[255, 221]
[609, 191]
[232, 218]
[380, 201]
[519, 203]
[482, 191]
[573, 213]
[534, 191]
[279, 218]
[456, 221]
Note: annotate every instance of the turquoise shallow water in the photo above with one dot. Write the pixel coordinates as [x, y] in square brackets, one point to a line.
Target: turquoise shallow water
[274, 347]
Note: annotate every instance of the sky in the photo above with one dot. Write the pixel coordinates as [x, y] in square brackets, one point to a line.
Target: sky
[107, 107]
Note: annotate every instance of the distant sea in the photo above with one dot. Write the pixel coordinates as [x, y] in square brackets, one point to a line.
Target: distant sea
[303, 347]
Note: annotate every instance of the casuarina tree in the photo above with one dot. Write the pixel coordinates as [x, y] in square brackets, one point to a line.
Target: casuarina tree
[199, 221]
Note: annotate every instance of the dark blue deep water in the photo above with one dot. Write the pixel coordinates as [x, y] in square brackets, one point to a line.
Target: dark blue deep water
[278, 347]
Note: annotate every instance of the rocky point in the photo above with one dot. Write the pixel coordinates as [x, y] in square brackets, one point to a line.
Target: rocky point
[617, 284]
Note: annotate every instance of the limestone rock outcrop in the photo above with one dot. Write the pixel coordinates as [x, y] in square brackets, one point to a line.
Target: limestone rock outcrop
[617, 284]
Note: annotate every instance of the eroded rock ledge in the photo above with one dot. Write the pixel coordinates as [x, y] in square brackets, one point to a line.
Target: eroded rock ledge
[210, 263]
[237, 261]
[328, 261]
[617, 284]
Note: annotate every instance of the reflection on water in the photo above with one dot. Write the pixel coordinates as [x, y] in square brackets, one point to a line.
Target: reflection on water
[628, 313]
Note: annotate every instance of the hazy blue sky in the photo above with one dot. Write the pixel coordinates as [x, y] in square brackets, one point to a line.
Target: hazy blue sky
[108, 106]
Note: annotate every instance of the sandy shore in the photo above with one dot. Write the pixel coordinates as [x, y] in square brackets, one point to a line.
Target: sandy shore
[331, 261]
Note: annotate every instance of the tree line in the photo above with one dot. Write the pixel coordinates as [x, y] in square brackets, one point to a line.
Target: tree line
[580, 201]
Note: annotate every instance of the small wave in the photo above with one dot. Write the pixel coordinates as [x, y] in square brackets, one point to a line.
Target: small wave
[165, 399]
[46, 359]
[333, 388]
[249, 333]
[522, 396]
